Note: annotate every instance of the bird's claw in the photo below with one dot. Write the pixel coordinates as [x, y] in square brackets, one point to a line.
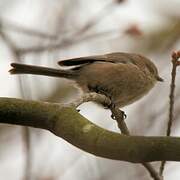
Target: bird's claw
[113, 117]
[110, 106]
[124, 116]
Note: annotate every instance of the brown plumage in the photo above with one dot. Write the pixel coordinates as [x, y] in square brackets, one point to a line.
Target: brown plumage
[123, 77]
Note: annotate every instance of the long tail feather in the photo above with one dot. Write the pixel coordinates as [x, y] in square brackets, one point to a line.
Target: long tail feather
[39, 70]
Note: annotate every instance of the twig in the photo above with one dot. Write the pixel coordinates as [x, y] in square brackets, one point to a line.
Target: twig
[27, 31]
[28, 155]
[99, 98]
[26, 130]
[119, 117]
[97, 18]
[66, 42]
[75, 37]
[175, 63]
[8, 41]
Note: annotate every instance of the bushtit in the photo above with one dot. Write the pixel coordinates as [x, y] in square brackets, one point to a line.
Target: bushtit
[123, 77]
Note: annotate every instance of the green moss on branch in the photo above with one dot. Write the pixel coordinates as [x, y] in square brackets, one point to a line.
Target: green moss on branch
[68, 124]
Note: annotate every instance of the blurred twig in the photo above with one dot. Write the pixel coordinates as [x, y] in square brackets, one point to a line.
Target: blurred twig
[65, 43]
[175, 64]
[164, 38]
[26, 140]
[26, 132]
[78, 36]
[97, 18]
[8, 41]
[27, 31]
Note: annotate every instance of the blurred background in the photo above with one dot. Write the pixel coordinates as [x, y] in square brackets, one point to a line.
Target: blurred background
[42, 32]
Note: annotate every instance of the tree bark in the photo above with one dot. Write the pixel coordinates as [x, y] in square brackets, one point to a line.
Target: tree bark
[67, 123]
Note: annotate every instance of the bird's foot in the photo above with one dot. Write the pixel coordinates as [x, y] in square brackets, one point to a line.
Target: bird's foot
[123, 114]
[116, 110]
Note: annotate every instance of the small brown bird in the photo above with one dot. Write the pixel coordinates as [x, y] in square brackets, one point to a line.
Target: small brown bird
[123, 77]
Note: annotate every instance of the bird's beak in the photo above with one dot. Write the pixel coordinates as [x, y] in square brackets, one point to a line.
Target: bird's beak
[159, 79]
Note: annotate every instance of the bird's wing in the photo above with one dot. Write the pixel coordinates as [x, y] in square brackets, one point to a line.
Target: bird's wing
[82, 60]
[112, 57]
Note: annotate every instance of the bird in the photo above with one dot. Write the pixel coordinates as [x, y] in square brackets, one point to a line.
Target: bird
[122, 77]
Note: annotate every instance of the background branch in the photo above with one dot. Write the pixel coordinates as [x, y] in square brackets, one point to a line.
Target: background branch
[175, 64]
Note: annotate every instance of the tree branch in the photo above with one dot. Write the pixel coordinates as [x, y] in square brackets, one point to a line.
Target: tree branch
[175, 64]
[117, 115]
[68, 124]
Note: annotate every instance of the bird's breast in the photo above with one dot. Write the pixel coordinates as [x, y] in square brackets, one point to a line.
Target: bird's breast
[123, 83]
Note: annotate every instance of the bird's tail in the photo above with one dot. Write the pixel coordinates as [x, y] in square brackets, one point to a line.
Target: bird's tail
[40, 70]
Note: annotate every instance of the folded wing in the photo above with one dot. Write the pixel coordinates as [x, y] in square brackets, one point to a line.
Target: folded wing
[112, 58]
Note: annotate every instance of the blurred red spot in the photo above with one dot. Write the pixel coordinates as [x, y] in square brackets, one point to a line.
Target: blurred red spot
[120, 1]
[134, 30]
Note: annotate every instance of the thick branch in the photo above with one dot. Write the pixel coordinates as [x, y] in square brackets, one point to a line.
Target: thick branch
[68, 124]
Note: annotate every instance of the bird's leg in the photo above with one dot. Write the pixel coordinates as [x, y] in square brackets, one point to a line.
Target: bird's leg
[124, 116]
[101, 90]
[122, 113]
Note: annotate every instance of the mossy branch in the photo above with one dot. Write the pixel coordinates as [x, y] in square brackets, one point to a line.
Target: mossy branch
[68, 124]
